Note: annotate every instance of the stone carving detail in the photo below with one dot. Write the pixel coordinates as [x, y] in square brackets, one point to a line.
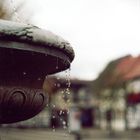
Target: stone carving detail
[20, 103]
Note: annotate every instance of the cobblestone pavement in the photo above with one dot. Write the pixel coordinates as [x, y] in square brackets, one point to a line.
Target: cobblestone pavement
[38, 134]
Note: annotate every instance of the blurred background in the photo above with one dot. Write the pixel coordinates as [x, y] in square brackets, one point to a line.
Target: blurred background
[100, 96]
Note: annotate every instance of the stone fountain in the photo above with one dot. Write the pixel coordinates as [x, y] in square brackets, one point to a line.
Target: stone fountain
[27, 55]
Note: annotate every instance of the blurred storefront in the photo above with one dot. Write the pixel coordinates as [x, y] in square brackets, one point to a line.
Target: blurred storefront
[133, 103]
[118, 89]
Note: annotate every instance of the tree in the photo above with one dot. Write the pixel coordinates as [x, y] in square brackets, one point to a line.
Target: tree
[4, 14]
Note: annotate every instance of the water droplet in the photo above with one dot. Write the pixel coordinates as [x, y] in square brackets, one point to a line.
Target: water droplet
[53, 129]
[60, 113]
[39, 79]
[24, 73]
[58, 78]
[56, 63]
[64, 123]
[64, 127]
[68, 84]
[62, 91]
[58, 85]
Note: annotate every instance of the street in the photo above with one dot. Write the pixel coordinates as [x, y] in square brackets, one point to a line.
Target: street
[38, 134]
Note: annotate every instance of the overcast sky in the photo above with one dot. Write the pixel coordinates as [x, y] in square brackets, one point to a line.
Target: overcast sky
[98, 30]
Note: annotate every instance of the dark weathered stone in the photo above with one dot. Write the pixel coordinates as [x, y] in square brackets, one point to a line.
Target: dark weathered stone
[20, 103]
[27, 55]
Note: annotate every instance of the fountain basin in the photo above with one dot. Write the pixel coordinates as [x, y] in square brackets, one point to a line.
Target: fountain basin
[27, 55]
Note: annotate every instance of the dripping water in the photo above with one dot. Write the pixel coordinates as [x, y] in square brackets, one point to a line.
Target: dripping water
[39, 79]
[14, 9]
[57, 64]
[68, 80]
[53, 129]
[60, 113]
[24, 73]
[53, 105]
[67, 94]
[64, 92]
[68, 85]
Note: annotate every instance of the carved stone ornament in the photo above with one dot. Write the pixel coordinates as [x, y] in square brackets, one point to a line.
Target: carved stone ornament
[27, 55]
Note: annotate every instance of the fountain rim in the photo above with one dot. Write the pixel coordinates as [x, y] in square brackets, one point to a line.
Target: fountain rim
[31, 35]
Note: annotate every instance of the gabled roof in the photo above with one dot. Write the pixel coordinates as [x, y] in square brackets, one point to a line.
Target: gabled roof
[134, 70]
[119, 71]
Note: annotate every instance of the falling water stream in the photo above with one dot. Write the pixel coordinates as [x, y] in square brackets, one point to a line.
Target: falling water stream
[64, 93]
[14, 9]
[68, 84]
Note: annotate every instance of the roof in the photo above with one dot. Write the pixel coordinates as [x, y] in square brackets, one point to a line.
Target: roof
[128, 68]
[119, 71]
